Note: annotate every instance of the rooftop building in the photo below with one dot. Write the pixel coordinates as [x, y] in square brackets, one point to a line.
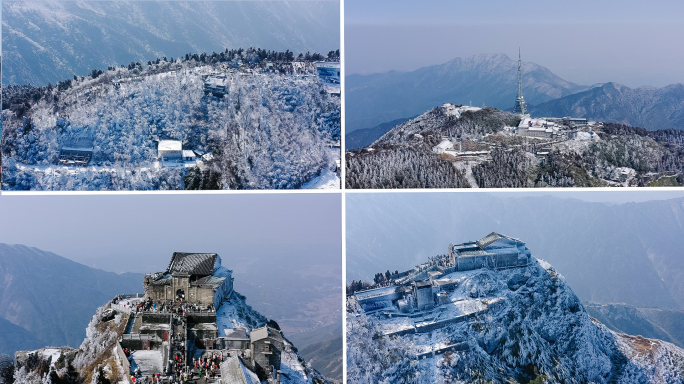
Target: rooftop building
[190, 278]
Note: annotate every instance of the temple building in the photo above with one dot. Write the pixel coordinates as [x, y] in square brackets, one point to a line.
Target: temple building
[492, 251]
[190, 278]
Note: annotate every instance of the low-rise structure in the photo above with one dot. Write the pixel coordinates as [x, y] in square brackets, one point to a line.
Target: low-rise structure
[492, 251]
[538, 128]
[266, 346]
[77, 152]
[170, 150]
[216, 85]
[329, 71]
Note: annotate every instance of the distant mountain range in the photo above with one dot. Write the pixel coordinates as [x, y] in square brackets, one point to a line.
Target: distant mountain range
[51, 41]
[629, 253]
[645, 107]
[373, 102]
[648, 322]
[489, 78]
[47, 300]
[366, 136]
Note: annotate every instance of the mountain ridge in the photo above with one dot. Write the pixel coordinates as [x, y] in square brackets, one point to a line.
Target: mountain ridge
[50, 41]
[648, 107]
[490, 78]
[26, 301]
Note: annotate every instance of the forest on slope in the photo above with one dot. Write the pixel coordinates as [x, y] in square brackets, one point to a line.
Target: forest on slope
[405, 152]
[272, 129]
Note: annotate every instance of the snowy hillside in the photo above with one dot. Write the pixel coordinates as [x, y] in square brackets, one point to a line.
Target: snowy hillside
[101, 354]
[253, 126]
[98, 350]
[512, 325]
[457, 146]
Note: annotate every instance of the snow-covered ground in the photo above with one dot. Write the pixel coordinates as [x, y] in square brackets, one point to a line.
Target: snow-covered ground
[275, 129]
[236, 314]
[148, 362]
[327, 180]
[523, 317]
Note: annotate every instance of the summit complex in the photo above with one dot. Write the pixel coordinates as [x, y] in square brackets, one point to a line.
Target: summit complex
[189, 325]
[489, 312]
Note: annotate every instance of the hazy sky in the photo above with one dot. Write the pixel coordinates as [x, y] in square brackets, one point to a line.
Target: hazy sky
[139, 233]
[634, 43]
[285, 249]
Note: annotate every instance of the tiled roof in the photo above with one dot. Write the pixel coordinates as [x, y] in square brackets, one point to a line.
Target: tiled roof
[264, 333]
[192, 263]
[233, 371]
[488, 240]
[214, 281]
[491, 238]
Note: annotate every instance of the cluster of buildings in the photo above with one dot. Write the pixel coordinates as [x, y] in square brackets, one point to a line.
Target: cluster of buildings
[177, 316]
[172, 151]
[79, 152]
[427, 286]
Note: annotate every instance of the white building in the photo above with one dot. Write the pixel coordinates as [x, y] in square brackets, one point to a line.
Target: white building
[170, 150]
[189, 155]
[538, 128]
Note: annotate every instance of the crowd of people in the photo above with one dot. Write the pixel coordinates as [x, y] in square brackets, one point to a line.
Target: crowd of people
[181, 369]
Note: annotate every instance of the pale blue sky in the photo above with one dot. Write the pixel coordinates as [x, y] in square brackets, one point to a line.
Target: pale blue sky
[139, 233]
[635, 43]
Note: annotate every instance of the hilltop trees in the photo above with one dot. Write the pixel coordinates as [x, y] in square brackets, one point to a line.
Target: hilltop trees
[268, 131]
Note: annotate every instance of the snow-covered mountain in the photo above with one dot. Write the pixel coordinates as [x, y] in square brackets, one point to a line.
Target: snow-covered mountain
[488, 148]
[272, 127]
[627, 253]
[49, 41]
[520, 324]
[100, 355]
[489, 78]
[646, 107]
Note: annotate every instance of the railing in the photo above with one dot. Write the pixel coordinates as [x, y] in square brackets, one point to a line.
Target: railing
[141, 337]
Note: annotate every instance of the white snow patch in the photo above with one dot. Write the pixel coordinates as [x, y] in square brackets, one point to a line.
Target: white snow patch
[327, 180]
[149, 362]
